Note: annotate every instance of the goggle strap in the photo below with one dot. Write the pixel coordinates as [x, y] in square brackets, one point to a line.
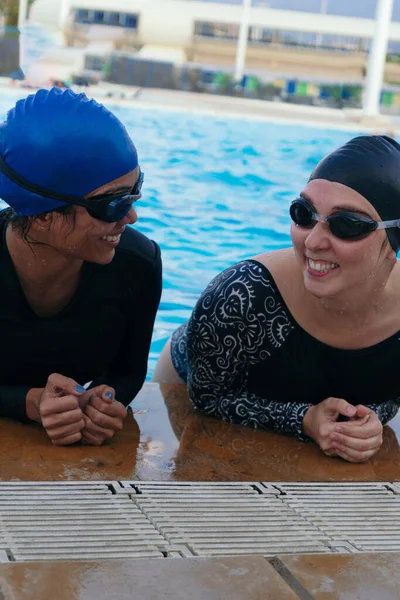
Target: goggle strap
[32, 187]
[388, 224]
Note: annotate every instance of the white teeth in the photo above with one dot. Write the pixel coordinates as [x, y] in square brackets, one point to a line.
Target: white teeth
[111, 238]
[317, 266]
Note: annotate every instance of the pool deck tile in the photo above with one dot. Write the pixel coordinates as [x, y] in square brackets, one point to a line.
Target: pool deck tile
[244, 578]
[347, 577]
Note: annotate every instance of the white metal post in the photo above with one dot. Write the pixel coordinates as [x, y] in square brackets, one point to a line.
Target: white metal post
[377, 58]
[242, 41]
[63, 15]
[323, 11]
[22, 10]
[22, 14]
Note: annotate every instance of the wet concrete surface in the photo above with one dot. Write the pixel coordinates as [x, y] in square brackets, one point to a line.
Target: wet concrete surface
[305, 577]
[347, 577]
[250, 578]
[165, 439]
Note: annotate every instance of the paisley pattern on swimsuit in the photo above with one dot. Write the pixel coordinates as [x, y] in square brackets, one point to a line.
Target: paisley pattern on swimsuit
[238, 322]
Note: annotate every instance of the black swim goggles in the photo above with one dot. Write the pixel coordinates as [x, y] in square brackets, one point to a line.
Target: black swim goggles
[343, 225]
[107, 207]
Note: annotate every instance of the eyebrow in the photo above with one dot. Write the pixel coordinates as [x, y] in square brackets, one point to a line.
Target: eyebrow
[116, 189]
[341, 207]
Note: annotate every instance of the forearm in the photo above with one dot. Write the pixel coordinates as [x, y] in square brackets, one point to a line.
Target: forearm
[32, 403]
[14, 403]
[253, 411]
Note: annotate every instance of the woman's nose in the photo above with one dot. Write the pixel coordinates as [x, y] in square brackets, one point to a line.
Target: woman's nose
[131, 217]
[318, 237]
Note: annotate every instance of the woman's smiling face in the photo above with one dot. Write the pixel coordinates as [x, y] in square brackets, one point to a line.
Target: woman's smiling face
[81, 236]
[331, 265]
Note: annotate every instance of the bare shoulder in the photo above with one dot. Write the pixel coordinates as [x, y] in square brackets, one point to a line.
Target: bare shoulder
[283, 267]
[276, 257]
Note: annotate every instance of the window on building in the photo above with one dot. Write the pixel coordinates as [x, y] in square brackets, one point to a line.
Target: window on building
[113, 18]
[129, 21]
[227, 31]
[340, 42]
[82, 16]
[94, 63]
[260, 35]
[103, 17]
[99, 17]
[324, 42]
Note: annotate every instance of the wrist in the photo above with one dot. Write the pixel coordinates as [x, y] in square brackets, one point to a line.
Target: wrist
[32, 404]
[307, 422]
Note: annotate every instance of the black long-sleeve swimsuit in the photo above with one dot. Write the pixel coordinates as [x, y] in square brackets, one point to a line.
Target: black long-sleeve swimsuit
[102, 336]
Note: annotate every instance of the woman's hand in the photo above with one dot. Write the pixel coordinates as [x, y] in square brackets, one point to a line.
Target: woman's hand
[359, 439]
[320, 421]
[103, 415]
[355, 441]
[57, 408]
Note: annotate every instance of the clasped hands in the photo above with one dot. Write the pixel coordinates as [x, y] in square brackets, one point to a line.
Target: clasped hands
[71, 414]
[356, 440]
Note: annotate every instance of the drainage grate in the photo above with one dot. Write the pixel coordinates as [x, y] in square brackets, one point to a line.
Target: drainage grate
[364, 516]
[135, 519]
[227, 519]
[73, 521]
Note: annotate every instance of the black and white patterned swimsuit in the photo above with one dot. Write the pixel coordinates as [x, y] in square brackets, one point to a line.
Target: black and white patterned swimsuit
[247, 361]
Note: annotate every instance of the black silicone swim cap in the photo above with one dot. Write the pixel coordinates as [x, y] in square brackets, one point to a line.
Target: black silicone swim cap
[370, 165]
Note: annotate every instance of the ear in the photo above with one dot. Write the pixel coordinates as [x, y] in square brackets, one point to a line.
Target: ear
[41, 223]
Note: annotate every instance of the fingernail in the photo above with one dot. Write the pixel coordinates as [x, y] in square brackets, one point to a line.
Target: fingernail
[109, 395]
[80, 389]
[351, 410]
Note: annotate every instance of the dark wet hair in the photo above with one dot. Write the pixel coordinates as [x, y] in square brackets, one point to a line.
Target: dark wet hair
[22, 224]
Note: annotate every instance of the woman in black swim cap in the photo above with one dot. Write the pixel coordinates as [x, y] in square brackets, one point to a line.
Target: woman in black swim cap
[306, 340]
[79, 288]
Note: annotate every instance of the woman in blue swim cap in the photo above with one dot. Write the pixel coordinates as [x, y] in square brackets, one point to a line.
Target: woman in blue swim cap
[79, 289]
[305, 340]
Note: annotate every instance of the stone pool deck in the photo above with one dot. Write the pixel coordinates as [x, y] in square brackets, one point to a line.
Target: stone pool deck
[165, 440]
[310, 577]
[179, 505]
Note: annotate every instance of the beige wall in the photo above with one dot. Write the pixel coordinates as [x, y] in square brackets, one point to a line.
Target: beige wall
[392, 73]
[290, 61]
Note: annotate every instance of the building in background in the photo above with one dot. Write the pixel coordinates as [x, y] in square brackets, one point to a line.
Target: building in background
[290, 43]
[9, 53]
[176, 43]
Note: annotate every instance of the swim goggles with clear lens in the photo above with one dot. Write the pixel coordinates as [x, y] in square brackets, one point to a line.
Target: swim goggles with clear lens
[343, 225]
[108, 207]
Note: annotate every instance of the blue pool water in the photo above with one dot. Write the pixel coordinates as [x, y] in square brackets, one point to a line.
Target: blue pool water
[216, 191]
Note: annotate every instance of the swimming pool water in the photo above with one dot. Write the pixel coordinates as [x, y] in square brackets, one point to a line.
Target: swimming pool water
[216, 191]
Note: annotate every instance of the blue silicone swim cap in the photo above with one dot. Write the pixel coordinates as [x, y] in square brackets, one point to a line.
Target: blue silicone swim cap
[64, 142]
